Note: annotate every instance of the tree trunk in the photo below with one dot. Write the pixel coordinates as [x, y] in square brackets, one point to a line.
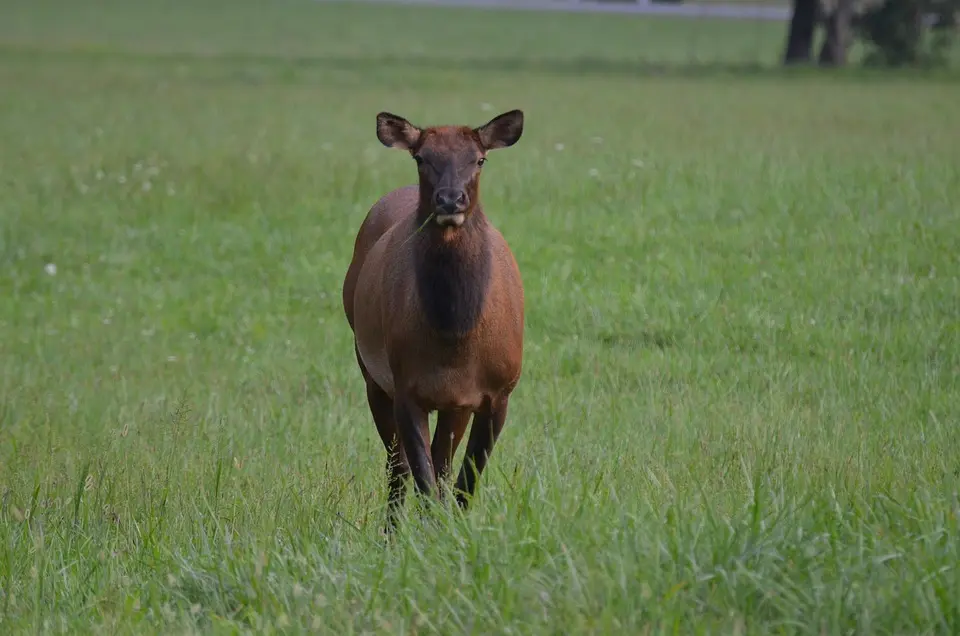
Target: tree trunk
[838, 36]
[800, 37]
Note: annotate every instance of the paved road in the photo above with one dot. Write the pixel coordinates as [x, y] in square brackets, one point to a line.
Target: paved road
[642, 7]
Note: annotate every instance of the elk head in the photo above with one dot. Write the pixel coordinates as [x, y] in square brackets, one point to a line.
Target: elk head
[449, 160]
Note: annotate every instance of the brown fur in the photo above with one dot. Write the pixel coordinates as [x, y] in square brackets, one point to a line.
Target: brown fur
[437, 314]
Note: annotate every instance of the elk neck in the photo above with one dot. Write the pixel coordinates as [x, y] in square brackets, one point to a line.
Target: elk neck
[452, 268]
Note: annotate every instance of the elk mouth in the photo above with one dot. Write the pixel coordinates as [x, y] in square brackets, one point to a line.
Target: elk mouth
[454, 219]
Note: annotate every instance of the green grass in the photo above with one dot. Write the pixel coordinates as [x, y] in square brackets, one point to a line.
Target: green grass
[741, 395]
[344, 36]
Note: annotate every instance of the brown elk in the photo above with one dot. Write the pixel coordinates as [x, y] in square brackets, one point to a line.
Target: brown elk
[435, 301]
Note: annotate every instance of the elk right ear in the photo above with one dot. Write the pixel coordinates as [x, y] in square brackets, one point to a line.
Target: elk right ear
[394, 131]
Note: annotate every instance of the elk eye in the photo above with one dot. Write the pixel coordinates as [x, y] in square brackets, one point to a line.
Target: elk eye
[418, 159]
[482, 161]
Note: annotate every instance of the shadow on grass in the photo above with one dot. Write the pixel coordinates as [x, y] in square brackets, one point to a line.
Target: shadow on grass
[577, 67]
[288, 67]
[598, 67]
[638, 340]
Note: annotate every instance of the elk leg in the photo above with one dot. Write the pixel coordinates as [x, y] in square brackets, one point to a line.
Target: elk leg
[451, 425]
[414, 429]
[381, 407]
[486, 428]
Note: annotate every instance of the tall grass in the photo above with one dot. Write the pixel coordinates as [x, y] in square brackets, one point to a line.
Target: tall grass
[739, 405]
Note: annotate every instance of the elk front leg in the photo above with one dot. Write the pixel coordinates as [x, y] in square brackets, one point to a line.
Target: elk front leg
[486, 428]
[414, 429]
[451, 425]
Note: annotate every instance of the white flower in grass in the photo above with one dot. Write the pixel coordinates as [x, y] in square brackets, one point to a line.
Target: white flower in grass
[558, 147]
[50, 269]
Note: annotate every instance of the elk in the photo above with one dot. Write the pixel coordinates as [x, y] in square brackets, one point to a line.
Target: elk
[434, 298]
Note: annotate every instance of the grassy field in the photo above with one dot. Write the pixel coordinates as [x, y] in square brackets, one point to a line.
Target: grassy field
[740, 405]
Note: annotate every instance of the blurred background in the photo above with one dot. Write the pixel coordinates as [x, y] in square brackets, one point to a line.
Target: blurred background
[659, 33]
[738, 231]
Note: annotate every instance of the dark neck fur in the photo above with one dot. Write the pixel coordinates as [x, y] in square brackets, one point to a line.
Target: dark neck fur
[453, 273]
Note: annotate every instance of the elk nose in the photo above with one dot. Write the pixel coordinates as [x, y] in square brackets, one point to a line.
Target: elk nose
[450, 200]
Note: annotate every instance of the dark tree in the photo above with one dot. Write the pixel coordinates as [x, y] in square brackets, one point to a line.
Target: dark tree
[838, 36]
[895, 32]
[800, 37]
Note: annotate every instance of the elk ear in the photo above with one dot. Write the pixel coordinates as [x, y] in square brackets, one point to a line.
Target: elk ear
[502, 131]
[394, 131]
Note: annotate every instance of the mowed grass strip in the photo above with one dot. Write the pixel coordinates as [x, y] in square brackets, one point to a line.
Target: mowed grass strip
[740, 400]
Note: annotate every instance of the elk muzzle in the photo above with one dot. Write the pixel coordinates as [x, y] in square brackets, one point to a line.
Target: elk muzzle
[450, 205]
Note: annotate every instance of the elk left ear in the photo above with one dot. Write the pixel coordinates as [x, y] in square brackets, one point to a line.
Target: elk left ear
[502, 131]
